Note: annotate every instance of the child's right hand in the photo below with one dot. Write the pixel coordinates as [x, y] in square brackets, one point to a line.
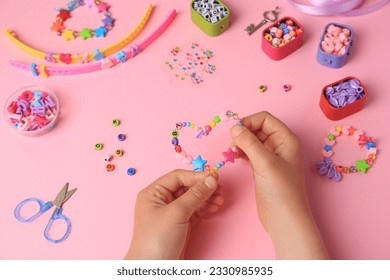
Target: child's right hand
[282, 205]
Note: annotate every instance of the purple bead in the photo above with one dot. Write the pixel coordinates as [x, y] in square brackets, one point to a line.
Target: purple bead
[359, 90]
[175, 141]
[352, 99]
[354, 83]
[341, 100]
[345, 85]
[329, 90]
[333, 102]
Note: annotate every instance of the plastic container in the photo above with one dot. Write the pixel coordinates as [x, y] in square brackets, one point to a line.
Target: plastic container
[334, 60]
[335, 113]
[32, 111]
[289, 46]
[211, 16]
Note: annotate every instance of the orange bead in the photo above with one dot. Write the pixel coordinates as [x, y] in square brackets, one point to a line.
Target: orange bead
[346, 170]
[178, 149]
[279, 33]
[339, 168]
[351, 130]
[110, 167]
[372, 156]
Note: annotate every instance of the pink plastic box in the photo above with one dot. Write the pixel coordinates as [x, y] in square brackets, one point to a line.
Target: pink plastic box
[287, 46]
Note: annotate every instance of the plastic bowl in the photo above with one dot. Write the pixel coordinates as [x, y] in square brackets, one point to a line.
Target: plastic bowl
[32, 111]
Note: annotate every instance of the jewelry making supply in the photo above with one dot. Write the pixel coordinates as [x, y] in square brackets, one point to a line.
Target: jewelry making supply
[334, 171]
[268, 16]
[344, 93]
[282, 33]
[199, 132]
[107, 23]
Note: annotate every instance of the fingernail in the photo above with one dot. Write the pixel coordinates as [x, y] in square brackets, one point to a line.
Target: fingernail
[210, 182]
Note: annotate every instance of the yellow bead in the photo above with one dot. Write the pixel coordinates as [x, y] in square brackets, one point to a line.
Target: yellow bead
[192, 125]
[212, 124]
[339, 128]
[215, 168]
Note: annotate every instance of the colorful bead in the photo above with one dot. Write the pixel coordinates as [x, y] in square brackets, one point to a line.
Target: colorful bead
[130, 171]
[217, 119]
[116, 122]
[121, 137]
[282, 33]
[175, 141]
[175, 133]
[286, 88]
[110, 167]
[108, 157]
[333, 171]
[118, 153]
[98, 146]
[262, 88]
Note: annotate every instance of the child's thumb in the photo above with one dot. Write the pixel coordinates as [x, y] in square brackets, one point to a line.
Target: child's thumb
[196, 195]
[250, 145]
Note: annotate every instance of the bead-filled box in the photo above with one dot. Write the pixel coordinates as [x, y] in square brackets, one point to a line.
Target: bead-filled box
[282, 38]
[342, 98]
[32, 111]
[212, 16]
[335, 44]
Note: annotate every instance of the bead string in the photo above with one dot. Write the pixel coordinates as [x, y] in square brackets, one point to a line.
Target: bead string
[200, 164]
[334, 171]
[85, 33]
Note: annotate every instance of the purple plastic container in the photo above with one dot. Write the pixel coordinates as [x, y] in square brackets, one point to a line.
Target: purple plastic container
[332, 60]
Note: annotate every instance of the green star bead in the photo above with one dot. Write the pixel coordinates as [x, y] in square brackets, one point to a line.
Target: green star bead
[362, 165]
[331, 137]
[85, 33]
[217, 119]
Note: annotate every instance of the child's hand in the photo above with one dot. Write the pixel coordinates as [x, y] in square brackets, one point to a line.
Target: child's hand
[274, 153]
[166, 210]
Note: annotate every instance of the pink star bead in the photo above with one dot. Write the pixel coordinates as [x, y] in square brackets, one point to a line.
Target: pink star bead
[102, 7]
[229, 155]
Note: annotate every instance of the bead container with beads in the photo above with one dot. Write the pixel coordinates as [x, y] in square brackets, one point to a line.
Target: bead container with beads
[282, 38]
[335, 44]
[211, 16]
[342, 98]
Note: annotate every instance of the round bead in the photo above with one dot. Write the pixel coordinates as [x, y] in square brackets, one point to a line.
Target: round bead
[215, 168]
[98, 146]
[188, 123]
[119, 153]
[175, 133]
[339, 168]
[178, 149]
[130, 171]
[175, 141]
[331, 137]
[110, 167]
[327, 148]
[121, 137]
[262, 88]
[192, 125]
[286, 88]
[208, 128]
[212, 124]
[116, 122]
[217, 119]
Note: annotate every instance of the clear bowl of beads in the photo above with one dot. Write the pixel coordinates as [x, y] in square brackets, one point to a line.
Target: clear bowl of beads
[282, 38]
[343, 98]
[32, 111]
[335, 44]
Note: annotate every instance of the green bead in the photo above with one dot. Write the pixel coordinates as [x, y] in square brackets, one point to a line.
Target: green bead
[175, 133]
[217, 119]
[331, 137]
[116, 122]
[98, 146]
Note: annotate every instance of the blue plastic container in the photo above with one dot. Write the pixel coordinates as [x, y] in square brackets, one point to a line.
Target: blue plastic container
[332, 60]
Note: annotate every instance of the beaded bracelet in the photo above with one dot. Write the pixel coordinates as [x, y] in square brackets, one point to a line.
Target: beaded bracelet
[334, 171]
[85, 33]
[199, 163]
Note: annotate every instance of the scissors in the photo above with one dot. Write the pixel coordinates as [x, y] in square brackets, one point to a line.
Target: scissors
[60, 199]
[268, 16]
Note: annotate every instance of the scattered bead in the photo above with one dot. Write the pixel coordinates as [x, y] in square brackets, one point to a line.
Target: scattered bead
[110, 167]
[130, 171]
[262, 88]
[121, 137]
[118, 153]
[108, 157]
[98, 146]
[286, 88]
[116, 122]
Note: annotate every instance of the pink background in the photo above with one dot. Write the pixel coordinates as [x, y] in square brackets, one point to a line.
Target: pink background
[352, 214]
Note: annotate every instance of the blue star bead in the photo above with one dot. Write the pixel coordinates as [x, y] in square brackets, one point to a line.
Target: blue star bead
[199, 163]
[100, 31]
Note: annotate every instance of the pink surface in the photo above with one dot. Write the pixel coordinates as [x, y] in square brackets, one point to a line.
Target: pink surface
[352, 214]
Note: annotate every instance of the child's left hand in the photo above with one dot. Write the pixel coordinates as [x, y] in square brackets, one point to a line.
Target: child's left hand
[166, 210]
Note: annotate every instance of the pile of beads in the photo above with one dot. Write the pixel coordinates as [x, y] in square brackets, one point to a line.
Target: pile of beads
[85, 33]
[118, 153]
[334, 171]
[344, 93]
[199, 163]
[336, 40]
[32, 111]
[192, 65]
[211, 10]
[282, 33]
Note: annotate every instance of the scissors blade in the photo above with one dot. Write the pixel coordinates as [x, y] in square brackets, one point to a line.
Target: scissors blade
[63, 196]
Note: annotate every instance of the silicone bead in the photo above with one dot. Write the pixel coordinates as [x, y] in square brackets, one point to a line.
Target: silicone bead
[217, 119]
[119, 153]
[178, 148]
[262, 88]
[110, 167]
[121, 137]
[175, 133]
[130, 171]
[116, 122]
[108, 157]
[175, 141]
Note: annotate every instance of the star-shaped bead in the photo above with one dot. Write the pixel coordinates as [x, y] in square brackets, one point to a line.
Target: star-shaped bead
[100, 31]
[85, 33]
[229, 155]
[63, 15]
[108, 21]
[68, 34]
[199, 163]
[362, 166]
[102, 7]
[57, 26]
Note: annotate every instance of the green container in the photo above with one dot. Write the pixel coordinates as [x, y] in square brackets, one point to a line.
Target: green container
[207, 19]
